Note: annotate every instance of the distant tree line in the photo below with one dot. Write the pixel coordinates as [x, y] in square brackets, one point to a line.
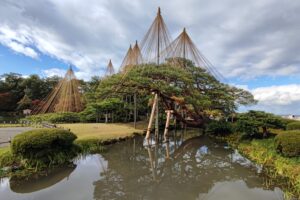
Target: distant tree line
[14, 86]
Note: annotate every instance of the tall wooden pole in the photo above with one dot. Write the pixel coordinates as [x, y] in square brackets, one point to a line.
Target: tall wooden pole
[158, 62]
[184, 46]
[167, 125]
[156, 119]
[135, 109]
[151, 116]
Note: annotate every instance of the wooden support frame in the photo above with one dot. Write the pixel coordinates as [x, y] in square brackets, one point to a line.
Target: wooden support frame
[169, 112]
[152, 116]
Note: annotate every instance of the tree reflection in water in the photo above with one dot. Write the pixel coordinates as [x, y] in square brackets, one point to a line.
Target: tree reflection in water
[196, 168]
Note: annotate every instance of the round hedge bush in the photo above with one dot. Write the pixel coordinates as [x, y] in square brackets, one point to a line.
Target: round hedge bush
[288, 143]
[44, 146]
[293, 126]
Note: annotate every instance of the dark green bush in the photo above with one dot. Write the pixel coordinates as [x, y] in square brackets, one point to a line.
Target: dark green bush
[293, 126]
[288, 143]
[67, 117]
[248, 129]
[44, 146]
[220, 128]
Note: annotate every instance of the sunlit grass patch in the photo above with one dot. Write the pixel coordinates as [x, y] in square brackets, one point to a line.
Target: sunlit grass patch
[102, 131]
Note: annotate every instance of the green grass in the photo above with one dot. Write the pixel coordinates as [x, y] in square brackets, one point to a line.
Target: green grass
[264, 152]
[103, 131]
[91, 137]
[6, 157]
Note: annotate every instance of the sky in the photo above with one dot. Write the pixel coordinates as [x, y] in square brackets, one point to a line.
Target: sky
[253, 44]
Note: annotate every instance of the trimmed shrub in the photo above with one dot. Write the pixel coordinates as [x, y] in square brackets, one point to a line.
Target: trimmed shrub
[67, 117]
[248, 129]
[293, 126]
[220, 128]
[288, 143]
[44, 146]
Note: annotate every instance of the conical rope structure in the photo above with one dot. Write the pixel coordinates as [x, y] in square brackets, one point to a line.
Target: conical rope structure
[110, 69]
[184, 47]
[132, 58]
[65, 97]
[127, 61]
[155, 41]
[137, 54]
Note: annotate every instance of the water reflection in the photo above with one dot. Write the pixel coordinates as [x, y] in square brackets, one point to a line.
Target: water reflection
[38, 182]
[187, 167]
[196, 168]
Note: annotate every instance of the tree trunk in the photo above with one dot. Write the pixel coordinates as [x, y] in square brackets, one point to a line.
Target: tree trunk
[265, 131]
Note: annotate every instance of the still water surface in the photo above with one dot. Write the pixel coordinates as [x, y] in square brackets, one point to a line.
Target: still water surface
[195, 168]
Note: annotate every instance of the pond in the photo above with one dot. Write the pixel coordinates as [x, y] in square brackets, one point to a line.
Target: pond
[188, 167]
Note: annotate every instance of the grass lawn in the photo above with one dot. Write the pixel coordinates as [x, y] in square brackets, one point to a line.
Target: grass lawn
[103, 131]
[12, 125]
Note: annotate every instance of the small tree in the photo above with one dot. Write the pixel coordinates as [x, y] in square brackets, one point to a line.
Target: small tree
[24, 103]
[250, 122]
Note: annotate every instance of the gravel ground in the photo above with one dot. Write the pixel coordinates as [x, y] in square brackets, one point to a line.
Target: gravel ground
[7, 133]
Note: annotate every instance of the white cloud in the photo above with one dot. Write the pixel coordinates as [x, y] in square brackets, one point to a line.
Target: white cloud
[278, 95]
[238, 41]
[54, 72]
[17, 42]
[284, 99]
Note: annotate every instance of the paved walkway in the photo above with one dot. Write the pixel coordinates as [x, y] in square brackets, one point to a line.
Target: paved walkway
[7, 133]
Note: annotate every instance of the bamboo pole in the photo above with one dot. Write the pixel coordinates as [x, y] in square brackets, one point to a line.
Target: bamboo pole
[166, 139]
[151, 116]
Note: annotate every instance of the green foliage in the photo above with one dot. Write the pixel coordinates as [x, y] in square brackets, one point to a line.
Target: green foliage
[96, 111]
[197, 89]
[67, 117]
[248, 128]
[13, 86]
[288, 143]
[250, 123]
[293, 126]
[44, 146]
[220, 128]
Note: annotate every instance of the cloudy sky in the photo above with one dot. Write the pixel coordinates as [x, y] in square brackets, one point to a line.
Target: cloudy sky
[253, 44]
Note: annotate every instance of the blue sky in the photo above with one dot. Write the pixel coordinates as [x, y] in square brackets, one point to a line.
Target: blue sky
[258, 51]
[11, 61]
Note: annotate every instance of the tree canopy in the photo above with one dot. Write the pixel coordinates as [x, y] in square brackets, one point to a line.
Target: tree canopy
[191, 89]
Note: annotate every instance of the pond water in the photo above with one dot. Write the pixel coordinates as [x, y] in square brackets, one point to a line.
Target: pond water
[185, 168]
